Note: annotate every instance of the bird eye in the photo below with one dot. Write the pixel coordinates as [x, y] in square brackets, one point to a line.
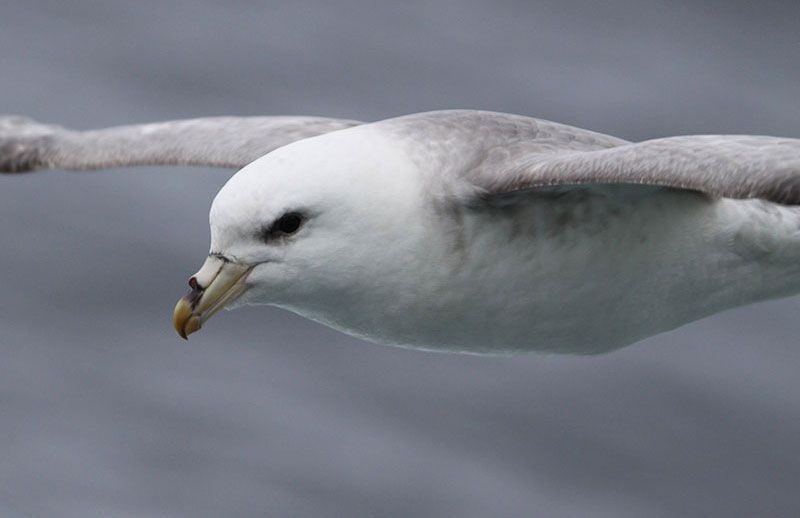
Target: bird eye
[287, 224]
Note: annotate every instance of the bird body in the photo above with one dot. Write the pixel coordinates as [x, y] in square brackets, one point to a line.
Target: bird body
[577, 270]
[472, 231]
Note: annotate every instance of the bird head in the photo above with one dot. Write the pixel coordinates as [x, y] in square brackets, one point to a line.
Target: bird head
[304, 226]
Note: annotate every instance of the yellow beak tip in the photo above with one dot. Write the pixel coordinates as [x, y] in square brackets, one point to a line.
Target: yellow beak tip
[222, 283]
[192, 325]
[185, 322]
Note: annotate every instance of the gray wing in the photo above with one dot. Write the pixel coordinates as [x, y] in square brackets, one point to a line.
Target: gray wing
[229, 142]
[484, 154]
[731, 166]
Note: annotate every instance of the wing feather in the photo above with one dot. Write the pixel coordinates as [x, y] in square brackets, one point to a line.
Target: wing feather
[469, 151]
[731, 166]
[481, 154]
[228, 142]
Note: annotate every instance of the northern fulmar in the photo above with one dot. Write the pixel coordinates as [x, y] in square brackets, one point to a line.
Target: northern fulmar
[467, 230]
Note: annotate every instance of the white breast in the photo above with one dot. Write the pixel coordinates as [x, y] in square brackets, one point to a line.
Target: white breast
[584, 273]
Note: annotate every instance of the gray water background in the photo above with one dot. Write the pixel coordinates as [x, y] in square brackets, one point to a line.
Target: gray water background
[105, 412]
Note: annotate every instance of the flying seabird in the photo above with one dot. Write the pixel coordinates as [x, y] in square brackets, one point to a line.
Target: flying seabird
[467, 230]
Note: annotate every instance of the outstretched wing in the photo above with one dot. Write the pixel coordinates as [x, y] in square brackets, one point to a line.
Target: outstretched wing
[229, 142]
[477, 152]
[486, 154]
[730, 166]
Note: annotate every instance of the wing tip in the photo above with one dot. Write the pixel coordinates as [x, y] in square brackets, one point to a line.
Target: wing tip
[22, 141]
[21, 155]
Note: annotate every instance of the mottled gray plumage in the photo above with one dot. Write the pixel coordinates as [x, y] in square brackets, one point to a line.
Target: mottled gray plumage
[476, 153]
[730, 166]
[500, 154]
[230, 142]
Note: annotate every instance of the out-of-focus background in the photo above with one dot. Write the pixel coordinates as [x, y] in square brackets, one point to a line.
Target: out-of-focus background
[104, 411]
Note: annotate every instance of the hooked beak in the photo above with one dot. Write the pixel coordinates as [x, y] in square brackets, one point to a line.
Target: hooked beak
[218, 283]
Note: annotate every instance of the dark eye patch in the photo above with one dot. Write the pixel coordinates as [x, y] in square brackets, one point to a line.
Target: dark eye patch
[286, 225]
[289, 223]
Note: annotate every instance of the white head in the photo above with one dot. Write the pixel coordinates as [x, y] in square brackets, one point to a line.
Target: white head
[307, 226]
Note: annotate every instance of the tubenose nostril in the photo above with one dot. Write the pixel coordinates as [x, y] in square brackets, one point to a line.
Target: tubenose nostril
[193, 283]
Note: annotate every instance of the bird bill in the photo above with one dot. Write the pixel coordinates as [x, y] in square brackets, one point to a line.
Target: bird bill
[218, 283]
